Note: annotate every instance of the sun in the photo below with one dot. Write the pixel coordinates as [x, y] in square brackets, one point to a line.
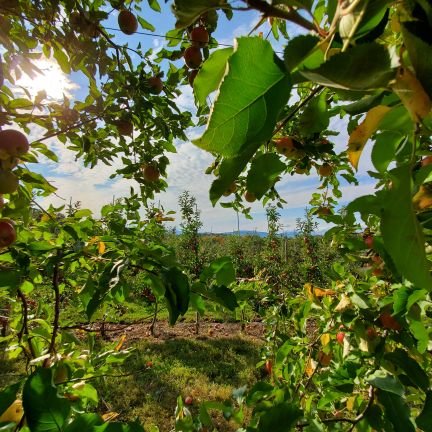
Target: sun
[52, 80]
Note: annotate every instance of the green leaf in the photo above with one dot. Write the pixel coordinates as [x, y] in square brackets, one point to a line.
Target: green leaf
[424, 420]
[301, 53]
[211, 74]
[8, 396]
[384, 149]
[402, 235]
[188, 11]
[44, 410]
[154, 4]
[397, 411]
[197, 303]
[145, 24]
[85, 422]
[176, 293]
[410, 367]
[279, 418]
[263, 173]
[315, 117]
[363, 67]
[118, 427]
[420, 53]
[229, 170]
[225, 297]
[420, 332]
[222, 269]
[250, 98]
[384, 381]
[9, 279]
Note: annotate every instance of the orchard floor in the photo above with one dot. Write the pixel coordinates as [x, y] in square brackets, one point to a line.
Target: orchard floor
[175, 362]
[207, 366]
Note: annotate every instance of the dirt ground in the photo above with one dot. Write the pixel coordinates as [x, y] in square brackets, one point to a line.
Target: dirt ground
[163, 331]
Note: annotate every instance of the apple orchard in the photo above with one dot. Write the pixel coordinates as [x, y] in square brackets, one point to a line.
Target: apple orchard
[345, 316]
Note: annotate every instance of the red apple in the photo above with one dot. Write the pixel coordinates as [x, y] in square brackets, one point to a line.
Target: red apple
[12, 144]
[188, 400]
[151, 173]
[193, 57]
[269, 366]
[340, 337]
[368, 241]
[199, 37]
[155, 84]
[7, 233]
[127, 22]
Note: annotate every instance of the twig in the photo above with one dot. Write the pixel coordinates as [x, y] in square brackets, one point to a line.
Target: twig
[55, 284]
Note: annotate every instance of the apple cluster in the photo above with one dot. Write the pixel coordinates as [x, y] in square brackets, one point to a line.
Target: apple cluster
[13, 145]
[199, 38]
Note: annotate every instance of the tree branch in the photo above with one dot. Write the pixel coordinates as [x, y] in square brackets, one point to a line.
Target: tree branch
[292, 15]
[55, 284]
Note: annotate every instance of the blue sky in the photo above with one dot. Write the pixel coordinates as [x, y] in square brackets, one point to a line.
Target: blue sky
[186, 171]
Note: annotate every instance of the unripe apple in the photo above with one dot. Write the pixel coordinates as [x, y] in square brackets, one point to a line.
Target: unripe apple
[250, 197]
[155, 84]
[231, 189]
[127, 22]
[199, 37]
[325, 170]
[323, 211]
[13, 143]
[193, 57]
[151, 173]
[8, 182]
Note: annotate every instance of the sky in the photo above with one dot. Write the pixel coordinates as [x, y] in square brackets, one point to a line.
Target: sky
[186, 170]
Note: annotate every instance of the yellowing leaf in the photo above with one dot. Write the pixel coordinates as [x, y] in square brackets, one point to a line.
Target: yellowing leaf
[94, 240]
[101, 248]
[109, 416]
[14, 413]
[319, 292]
[310, 367]
[422, 199]
[350, 403]
[363, 132]
[412, 94]
[120, 343]
[325, 339]
[309, 291]
[344, 303]
[45, 218]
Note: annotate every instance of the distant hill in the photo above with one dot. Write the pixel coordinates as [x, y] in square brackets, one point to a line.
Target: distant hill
[252, 233]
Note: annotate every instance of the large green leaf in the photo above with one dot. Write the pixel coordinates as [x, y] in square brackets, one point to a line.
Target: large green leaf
[363, 67]
[251, 96]
[279, 418]
[222, 269]
[420, 53]
[301, 52]
[119, 427]
[176, 293]
[84, 422]
[225, 297]
[397, 411]
[315, 117]
[384, 381]
[263, 173]
[410, 367]
[44, 410]
[424, 420]
[229, 170]
[188, 11]
[210, 75]
[402, 234]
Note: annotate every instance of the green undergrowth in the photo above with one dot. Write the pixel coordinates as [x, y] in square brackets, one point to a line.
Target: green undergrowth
[205, 369]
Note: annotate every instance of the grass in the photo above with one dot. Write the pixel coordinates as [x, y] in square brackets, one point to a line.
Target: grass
[206, 369]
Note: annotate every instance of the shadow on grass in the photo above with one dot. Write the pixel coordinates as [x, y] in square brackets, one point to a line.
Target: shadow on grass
[205, 369]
